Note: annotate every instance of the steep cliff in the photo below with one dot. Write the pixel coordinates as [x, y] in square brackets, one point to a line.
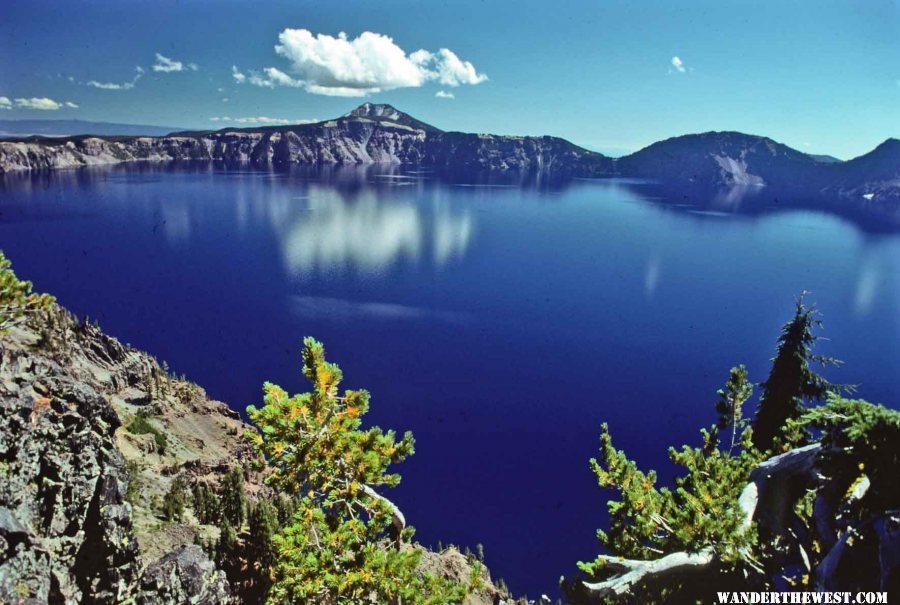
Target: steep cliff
[82, 493]
[370, 134]
[68, 533]
[373, 134]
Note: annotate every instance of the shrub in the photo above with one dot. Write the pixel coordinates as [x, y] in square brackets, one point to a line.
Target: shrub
[140, 425]
[17, 301]
[174, 500]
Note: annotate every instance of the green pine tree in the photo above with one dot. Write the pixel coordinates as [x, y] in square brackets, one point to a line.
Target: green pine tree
[731, 403]
[17, 301]
[234, 497]
[791, 382]
[260, 549]
[343, 544]
[647, 522]
[227, 546]
[285, 508]
[207, 505]
[175, 500]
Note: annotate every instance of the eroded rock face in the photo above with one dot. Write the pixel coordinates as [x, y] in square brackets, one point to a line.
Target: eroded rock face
[67, 533]
[371, 134]
[65, 525]
[379, 134]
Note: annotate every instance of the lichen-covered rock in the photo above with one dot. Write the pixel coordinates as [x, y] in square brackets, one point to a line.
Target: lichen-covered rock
[67, 533]
[65, 525]
[184, 576]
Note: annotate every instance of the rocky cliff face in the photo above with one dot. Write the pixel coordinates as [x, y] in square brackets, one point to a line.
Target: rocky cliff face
[370, 134]
[65, 526]
[80, 495]
[499, 153]
[373, 134]
[67, 532]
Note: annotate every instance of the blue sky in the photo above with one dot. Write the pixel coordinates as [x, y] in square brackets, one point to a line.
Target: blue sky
[822, 76]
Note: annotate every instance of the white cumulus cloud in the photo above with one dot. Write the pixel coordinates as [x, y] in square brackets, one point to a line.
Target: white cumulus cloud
[445, 67]
[42, 103]
[167, 65]
[679, 65]
[369, 63]
[443, 94]
[268, 78]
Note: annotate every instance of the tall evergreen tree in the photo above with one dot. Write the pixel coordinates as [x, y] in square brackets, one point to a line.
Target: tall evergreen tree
[791, 382]
[207, 506]
[262, 521]
[226, 547]
[233, 498]
[285, 507]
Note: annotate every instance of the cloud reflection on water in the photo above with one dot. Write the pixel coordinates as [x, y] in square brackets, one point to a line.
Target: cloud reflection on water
[323, 307]
[367, 231]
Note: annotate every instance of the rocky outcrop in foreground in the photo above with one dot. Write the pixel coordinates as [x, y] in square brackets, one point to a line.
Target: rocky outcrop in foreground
[81, 494]
[67, 531]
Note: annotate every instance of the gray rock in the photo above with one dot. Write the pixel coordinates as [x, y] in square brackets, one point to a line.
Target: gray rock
[66, 531]
[65, 524]
[184, 576]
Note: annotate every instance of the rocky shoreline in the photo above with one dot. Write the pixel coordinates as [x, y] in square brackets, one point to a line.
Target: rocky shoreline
[379, 134]
[355, 138]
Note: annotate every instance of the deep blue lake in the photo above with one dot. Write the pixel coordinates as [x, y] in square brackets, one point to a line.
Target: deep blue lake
[501, 322]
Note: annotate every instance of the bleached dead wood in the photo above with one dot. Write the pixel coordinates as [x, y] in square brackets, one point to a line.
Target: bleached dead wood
[396, 513]
[637, 572]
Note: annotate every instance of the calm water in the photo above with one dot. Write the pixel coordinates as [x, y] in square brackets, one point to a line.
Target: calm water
[500, 323]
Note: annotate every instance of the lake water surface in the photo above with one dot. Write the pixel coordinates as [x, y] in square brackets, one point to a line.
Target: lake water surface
[501, 322]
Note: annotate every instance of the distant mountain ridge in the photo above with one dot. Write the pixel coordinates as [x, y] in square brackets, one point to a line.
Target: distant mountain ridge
[369, 134]
[723, 158]
[379, 133]
[25, 128]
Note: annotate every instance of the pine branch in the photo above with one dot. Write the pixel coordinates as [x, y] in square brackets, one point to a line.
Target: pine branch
[631, 573]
